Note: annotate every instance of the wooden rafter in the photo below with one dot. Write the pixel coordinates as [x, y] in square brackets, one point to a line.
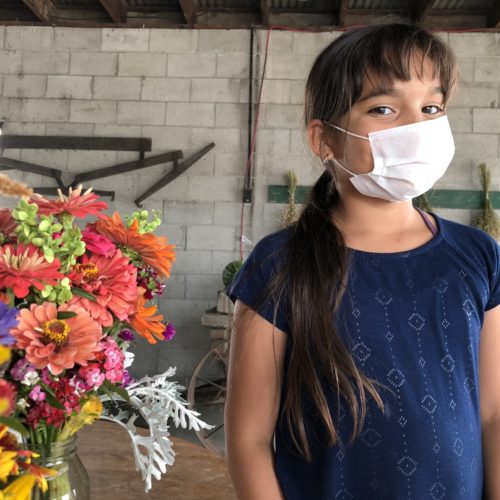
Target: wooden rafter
[43, 9]
[265, 11]
[421, 9]
[341, 15]
[189, 11]
[116, 9]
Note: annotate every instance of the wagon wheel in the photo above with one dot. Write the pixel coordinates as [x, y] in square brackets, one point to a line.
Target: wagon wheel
[207, 395]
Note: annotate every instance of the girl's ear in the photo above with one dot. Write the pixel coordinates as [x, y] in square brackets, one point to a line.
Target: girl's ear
[316, 140]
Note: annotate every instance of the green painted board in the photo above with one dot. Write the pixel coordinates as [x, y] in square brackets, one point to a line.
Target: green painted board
[438, 198]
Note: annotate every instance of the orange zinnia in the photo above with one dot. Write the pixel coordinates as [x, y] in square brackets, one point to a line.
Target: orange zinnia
[147, 322]
[153, 250]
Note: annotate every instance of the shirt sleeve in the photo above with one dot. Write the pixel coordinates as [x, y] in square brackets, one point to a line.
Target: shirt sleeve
[494, 279]
[252, 284]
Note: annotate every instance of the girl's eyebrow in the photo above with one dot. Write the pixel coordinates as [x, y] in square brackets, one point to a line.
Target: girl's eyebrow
[391, 91]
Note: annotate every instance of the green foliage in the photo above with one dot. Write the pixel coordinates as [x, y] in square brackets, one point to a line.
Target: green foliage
[230, 271]
[290, 214]
[142, 217]
[488, 219]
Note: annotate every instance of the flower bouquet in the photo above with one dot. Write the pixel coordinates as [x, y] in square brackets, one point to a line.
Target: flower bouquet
[74, 293]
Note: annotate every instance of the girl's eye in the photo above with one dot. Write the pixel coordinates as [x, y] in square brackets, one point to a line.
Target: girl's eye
[381, 110]
[432, 109]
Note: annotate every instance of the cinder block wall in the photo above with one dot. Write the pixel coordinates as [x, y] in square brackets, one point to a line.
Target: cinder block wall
[184, 89]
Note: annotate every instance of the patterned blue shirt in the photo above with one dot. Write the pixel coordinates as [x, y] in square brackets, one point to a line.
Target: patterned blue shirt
[412, 321]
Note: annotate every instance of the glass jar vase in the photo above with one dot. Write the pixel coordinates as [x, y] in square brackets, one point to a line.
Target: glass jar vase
[71, 481]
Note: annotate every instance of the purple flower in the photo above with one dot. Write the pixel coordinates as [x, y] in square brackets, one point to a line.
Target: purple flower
[169, 332]
[20, 369]
[127, 378]
[8, 320]
[127, 335]
[37, 394]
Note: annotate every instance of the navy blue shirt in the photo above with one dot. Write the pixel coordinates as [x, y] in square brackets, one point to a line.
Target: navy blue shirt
[412, 321]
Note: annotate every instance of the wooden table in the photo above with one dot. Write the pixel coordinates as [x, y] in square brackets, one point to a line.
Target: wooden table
[105, 450]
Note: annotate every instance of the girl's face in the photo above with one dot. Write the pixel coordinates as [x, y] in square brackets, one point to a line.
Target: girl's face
[381, 107]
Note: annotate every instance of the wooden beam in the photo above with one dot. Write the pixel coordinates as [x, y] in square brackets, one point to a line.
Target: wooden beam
[421, 9]
[116, 9]
[265, 11]
[70, 142]
[189, 10]
[43, 9]
[342, 12]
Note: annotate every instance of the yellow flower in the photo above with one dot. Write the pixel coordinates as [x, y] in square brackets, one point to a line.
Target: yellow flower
[8, 463]
[89, 412]
[4, 354]
[20, 489]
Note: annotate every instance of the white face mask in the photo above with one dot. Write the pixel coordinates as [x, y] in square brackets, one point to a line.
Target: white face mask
[407, 160]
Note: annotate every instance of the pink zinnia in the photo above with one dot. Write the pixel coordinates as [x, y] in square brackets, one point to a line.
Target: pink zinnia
[56, 343]
[23, 267]
[75, 204]
[112, 281]
[97, 243]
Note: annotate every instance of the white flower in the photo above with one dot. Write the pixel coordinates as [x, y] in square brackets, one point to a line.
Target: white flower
[129, 359]
[31, 378]
[22, 404]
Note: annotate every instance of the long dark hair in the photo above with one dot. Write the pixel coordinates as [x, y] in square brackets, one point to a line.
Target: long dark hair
[315, 270]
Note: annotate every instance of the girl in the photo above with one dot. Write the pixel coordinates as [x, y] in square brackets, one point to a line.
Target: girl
[356, 360]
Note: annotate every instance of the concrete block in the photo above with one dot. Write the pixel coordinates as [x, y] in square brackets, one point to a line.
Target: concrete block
[312, 43]
[283, 116]
[221, 258]
[462, 216]
[232, 65]
[475, 95]
[189, 212]
[45, 63]
[223, 40]
[45, 110]
[486, 121]
[143, 64]
[125, 40]
[193, 261]
[191, 65]
[279, 42]
[298, 143]
[202, 286]
[24, 85]
[10, 61]
[215, 90]
[117, 88]
[227, 140]
[165, 138]
[53, 158]
[230, 164]
[23, 128]
[466, 68]
[487, 69]
[215, 319]
[81, 129]
[166, 89]
[205, 166]
[175, 233]
[82, 161]
[176, 287]
[93, 63]
[93, 111]
[288, 67]
[87, 39]
[194, 114]
[475, 44]
[141, 113]
[177, 190]
[297, 91]
[69, 87]
[476, 145]
[229, 213]
[213, 189]
[460, 119]
[28, 37]
[2, 36]
[211, 238]
[173, 40]
[112, 130]
[224, 304]
[274, 91]
[231, 115]
[273, 141]
[277, 167]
